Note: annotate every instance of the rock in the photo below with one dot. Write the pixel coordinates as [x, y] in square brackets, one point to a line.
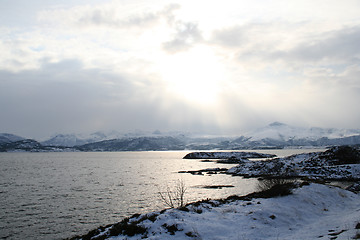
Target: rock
[233, 160]
[355, 187]
[226, 155]
[207, 170]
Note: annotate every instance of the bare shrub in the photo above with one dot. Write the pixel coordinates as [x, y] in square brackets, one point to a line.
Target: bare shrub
[174, 197]
[266, 184]
[276, 187]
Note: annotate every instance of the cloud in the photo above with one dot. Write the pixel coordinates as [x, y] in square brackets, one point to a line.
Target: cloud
[235, 36]
[63, 97]
[340, 46]
[255, 34]
[111, 15]
[291, 72]
[66, 97]
[298, 51]
[125, 65]
[290, 43]
[109, 18]
[186, 35]
[351, 75]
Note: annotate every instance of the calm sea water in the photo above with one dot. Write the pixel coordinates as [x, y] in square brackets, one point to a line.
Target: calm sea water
[59, 195]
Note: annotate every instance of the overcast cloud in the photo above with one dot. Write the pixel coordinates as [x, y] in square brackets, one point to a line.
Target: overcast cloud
[84, 66]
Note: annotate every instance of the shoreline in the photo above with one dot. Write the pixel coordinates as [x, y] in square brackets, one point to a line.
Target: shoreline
[257, 208]
[280, 190]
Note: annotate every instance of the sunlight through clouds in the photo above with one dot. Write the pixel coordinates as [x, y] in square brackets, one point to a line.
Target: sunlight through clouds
[229, 65]
[193, 75]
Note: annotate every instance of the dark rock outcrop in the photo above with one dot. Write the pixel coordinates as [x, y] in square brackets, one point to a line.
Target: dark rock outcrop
[226, 155]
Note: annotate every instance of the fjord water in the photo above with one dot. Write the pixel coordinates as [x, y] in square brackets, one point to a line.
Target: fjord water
[59, 195]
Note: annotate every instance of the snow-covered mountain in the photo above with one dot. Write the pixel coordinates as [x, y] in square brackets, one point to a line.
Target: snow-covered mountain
[158, 143]
[274, 135]
[71, 140]
[283, 132]
[8, 138]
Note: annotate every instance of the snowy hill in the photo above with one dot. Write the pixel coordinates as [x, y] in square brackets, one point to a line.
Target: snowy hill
[68, 140]
[30, 145]
[8, 138]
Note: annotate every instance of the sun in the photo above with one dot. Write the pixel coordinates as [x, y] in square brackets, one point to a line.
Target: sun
[193, 76]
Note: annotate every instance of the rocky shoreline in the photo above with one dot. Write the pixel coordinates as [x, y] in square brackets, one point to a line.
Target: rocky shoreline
[337, 163]
[295, 210]
[341, 163]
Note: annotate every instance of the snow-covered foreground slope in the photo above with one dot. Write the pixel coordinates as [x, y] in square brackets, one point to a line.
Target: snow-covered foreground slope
[312, 212]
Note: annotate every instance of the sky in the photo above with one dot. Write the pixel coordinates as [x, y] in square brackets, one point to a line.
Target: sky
[219, 67]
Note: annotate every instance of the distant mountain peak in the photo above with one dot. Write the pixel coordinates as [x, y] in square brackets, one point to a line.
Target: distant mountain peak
[277, 124]
[157, 132]
[7, 137]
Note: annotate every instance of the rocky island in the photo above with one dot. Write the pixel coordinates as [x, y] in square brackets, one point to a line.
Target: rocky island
[226, 155]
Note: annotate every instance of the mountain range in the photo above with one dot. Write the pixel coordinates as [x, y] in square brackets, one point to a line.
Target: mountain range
[274, 135]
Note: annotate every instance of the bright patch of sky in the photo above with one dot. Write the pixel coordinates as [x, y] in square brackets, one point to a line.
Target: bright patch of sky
[216, 67]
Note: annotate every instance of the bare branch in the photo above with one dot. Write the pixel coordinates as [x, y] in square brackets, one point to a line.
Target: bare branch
[174, 198]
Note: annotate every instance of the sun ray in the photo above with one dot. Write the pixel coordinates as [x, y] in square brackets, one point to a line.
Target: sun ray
[194, 75]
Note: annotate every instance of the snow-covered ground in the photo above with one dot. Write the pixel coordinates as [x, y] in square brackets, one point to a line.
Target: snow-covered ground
[313, 211]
